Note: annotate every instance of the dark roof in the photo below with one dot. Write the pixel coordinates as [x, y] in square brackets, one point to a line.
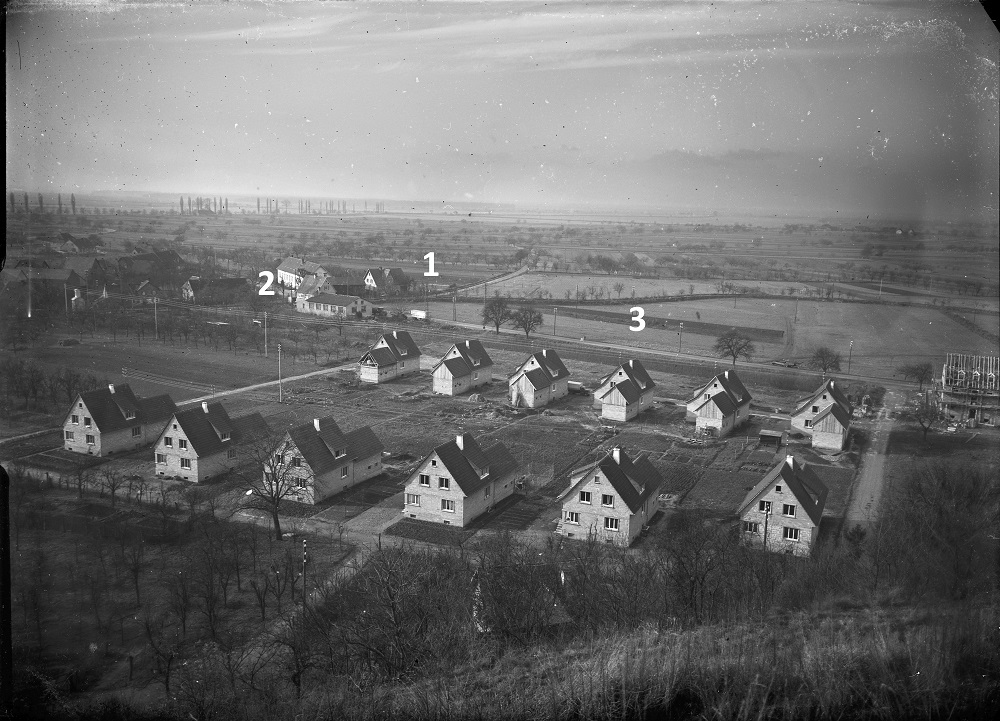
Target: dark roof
[250, 428]
[331, 299]
[400, 340]
[472, 355]
[627, 387]
[465, 464]
[731, 384]
[549, 364]
[538, 378]
[318, 448]
[53, 275]
[204, 430]
[634, 480]
[635, 371]
[457, 366]
[837, 411]
[723, 401]
[807, 488]
[108, 409]
[291, 265]
[381, 356]
[830, 387]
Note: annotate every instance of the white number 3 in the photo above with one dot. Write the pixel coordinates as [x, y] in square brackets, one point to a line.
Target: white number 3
[637, 319]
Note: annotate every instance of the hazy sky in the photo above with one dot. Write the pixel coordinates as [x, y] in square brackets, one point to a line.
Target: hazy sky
[881, 108]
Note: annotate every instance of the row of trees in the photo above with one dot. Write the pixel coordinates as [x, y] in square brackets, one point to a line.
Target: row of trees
[29, 381]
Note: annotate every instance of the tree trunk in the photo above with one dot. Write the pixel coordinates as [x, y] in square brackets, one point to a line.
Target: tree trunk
[277, 524]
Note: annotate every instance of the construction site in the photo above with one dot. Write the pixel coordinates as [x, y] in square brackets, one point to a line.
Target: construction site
[968, 393]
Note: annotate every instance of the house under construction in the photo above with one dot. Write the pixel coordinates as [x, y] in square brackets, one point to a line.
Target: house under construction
[969, 392]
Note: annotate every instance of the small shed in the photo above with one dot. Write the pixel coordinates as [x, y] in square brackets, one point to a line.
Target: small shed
[775, 438]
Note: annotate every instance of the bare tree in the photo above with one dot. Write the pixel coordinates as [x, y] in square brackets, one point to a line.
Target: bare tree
[618, 287]
[526, 318]
[920, 372]
[111, 481]
[735, 345]
[270, 476]
[496, 311]
[927, 414]
[826, 359]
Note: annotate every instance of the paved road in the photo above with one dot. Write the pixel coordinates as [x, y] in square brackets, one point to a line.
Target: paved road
[863, 507]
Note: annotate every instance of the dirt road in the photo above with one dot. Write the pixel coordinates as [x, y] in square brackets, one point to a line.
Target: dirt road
[868, 492]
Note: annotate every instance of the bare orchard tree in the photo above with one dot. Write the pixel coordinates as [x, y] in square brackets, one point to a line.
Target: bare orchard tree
[920, 372]
[270, 477]
[526, 318]
[735, 345]
[926, 414]
[112, 481]
[496, 311]
[826, 359]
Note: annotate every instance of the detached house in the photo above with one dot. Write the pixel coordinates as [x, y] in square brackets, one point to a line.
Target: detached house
[394, 355]
[541, 379]
[293, 271]
[387, 281]
[721, 405]
[465, 366]
[625, 392]
[323, 460]
[329, 305]
[111, 420]
[826, 416]
[611, 499]
[201, 442]
[784, 510]
[459, 481]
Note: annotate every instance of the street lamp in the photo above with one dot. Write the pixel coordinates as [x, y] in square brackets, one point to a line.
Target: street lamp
[850, 352]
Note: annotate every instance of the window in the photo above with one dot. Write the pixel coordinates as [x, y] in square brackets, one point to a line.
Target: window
[137, 431]
[225, 435]
[425, 480]
[584, 496]
[129, 415]
[186, 463]
[182, 444]
[343, 472]
[340, 452]
[751, 527]
[91, 440]
[444, 483]
[168, 441]
[448, 506]
[69, 435]
[231, 453]
[412, 499]
[80, 405]
[86, 421]
[434, 463]
[791, 534]
[296, 462]
[777, 489]
[301, 483]
[75, 420]
[788, 510]
[764, 507]
[486, 493]
[610, 524]
[815, 409]
[824, 396]
[573, 517]
[161, 458]
[808, 423]
[607, 500]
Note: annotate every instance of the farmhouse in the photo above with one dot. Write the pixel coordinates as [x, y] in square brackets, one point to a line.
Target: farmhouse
[213, 290]
[323, 460]
[794, 489]
[969, 392]
[459, 481]
[72, 244]
[611, 499]
[813, 411]
[336, 306]
[293, 271]
[465, 366]
[387, 281]
[625, 392]
[393, 355]
[721, 405]
[112, 420]
[201, 442]
[541, 379]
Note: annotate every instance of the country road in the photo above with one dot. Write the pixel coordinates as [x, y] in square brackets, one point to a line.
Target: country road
[863, 507]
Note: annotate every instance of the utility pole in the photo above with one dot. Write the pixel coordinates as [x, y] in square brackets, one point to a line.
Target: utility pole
[265, 334]
[156, 323]
[680, 338]
[454, 307]
[555, 317]
[850, 352]
[796, 319]
[305, 560]
[279, 372]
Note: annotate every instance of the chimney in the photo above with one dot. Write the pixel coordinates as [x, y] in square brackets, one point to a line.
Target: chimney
[630, 362]
[111, 387]
[394, 334]
[468, 344]
[790, 460]
[616, 453]
[316, 424]
[544, 351]
[459, 442]
[204, 406]
[726, 375]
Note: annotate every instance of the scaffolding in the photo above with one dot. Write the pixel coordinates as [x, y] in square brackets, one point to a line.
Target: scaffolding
[968, 393]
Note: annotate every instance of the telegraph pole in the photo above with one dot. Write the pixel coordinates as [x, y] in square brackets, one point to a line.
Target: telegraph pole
[850, 352]
[156, 323]
[555, 317]
[680, 338]
[279, 372]
[265, 334]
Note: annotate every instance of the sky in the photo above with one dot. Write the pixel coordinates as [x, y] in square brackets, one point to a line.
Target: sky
[881, 109]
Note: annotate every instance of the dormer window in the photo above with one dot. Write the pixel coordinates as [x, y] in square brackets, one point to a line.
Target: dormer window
[129, 415]
[225, 435]
[340, 452]
[402, 351]
[475, 361]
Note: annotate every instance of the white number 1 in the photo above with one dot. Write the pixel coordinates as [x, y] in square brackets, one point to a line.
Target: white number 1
[639, 313]
[431, 273]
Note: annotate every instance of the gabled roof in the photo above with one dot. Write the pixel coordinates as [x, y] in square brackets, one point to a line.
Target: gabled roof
[537, 377]
[204, 429]
[457, 366]
[397, 276]
[837, 411]
[108, 409]
[724, 403]
[730, 383]
[53, 275]
[634, 480]
[807, 488]
[635, 372]
[627, 387]
[471, 354]
[382, 357]
[833, 390]
[248, 428]
[331, 299]
[319, 447]
[466, 463]
[156, 408]
[400, 340]
[311, 286]
[550, 365]
[291, 265]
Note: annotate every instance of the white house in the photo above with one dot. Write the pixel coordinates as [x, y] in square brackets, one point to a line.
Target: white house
[625, 392]
[611, 499]
[293, 271]
[201, 442]
[825, 415]
[783, 511]
[111, 420]
[394, 355]
[721, 405]
[539, 380]
[330, 305]
[465, 366]
[324, 460]
[459, 481]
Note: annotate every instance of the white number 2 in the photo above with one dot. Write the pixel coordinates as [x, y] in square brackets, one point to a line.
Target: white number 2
[637, 319]
[431, 273]
[270, 279]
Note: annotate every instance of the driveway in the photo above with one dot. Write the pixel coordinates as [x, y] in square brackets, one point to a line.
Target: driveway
[863, 507]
